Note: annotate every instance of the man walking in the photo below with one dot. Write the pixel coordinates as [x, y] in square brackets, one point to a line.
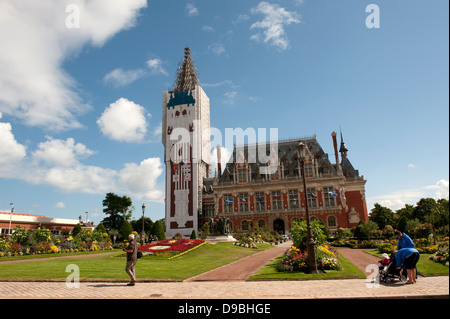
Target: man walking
[131, 251]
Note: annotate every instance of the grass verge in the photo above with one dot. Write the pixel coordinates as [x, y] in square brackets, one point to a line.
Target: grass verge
[270, 272]
[111, 267]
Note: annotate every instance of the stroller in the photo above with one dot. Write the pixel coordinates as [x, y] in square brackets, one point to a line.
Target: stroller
[390, 273]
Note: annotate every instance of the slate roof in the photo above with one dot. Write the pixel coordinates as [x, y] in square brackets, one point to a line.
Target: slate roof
[287, 154]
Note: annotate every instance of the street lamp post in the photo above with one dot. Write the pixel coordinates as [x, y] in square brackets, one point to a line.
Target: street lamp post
[143, 232]
[312, 262]
[10, 218]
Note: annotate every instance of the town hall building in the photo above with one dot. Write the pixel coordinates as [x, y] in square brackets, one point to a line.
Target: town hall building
[246, 193]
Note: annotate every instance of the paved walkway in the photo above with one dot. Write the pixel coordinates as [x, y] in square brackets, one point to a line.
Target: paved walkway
[243, 268]
[428, 287]
[217, 284]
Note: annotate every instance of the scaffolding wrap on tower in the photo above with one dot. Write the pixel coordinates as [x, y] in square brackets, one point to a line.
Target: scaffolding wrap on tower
[187, 74]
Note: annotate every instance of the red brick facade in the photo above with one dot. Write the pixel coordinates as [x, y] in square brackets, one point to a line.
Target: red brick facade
[336, 199]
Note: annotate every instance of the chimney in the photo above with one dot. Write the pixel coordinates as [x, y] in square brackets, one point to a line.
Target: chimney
[219, 160]
[335, 147]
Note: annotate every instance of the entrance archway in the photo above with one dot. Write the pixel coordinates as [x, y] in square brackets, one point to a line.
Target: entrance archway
[278, 226]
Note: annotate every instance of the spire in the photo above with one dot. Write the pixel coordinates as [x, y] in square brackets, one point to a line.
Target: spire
[343, 149]
[187, 75]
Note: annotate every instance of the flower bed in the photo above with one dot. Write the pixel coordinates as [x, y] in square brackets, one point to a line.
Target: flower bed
[180, 245]
[294, 260]
[42, 241]
[442, 255]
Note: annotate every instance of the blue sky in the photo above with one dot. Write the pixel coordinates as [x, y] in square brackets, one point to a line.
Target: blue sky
[80, 105]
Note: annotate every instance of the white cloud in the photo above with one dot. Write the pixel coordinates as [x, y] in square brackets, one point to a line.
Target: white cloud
[208, 28]
[119, 77]
[158, 130]
[44, 167]
[411, 165]
[273, 24]
[141, 179]
[10, 150]
[191, 10]
[398, 199]
[61, 153]
[35, 88]
[218, 48]
[221, 83]
[123, 121]
[229, 97]
[441, 189]
[59, 205]
[155, 66]
[241, 18]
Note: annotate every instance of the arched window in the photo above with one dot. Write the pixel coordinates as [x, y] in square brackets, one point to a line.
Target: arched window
[331, 221]
[262, 223]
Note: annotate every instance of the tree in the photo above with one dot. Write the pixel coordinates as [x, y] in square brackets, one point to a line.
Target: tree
[437, 216]
[125, 230]
[406, 212]
[381, 215]
[365, 230]
[158, 230]
[100, 228]
[423, 209]
[137, 225]
[76, 230]
[118, 209]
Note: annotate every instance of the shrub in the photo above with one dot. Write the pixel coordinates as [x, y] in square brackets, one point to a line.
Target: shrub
[158, 231]
[125, 230]
[299, 233]
[387, 248]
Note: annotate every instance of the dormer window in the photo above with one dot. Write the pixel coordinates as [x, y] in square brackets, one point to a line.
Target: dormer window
[242, 175]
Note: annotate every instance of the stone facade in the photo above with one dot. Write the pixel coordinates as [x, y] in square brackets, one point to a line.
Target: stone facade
[187, 157]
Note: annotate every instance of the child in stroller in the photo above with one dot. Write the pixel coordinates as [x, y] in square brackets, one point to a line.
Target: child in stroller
[390, 272]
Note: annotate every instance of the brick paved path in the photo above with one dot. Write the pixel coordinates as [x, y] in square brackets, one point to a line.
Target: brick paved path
[359, 258]
[315, 289]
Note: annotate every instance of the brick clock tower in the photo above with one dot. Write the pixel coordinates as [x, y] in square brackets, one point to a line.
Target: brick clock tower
[186, 152]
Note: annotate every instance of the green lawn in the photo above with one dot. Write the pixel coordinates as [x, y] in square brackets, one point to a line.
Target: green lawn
[425, 267]
[270, 272]
[109, 266]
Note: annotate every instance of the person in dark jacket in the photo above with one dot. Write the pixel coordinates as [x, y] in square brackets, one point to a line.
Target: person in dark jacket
[131, 251]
